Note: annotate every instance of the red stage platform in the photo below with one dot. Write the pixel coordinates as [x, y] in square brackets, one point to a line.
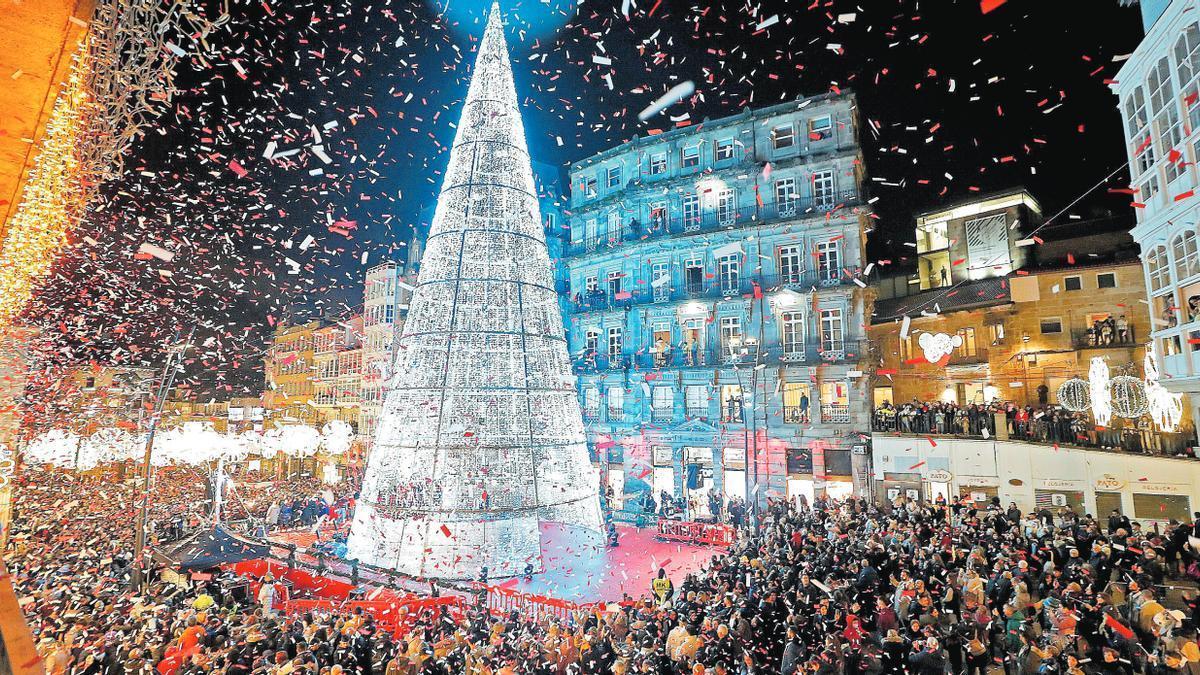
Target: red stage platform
[585, 573]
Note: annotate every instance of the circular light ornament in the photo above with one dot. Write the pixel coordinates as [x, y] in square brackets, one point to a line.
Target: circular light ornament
[1075, 394]
[1129, 397]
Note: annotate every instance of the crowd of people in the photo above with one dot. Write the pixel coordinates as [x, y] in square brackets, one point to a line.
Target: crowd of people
[832, 587]
[1041, 424]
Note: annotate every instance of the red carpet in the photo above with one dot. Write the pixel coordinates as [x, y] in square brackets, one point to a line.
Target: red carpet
[581, 572]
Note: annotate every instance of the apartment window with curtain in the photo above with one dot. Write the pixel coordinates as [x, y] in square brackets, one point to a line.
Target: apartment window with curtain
[689, 157]
[591, 341]
[820, 128]
[1136, 123]
[693, 275]
[791, 264]
[613, 177]
[658, 163]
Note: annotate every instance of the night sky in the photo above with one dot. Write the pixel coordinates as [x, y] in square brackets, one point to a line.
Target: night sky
[952, 101]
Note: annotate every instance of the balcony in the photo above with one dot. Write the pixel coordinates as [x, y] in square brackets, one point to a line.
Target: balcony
[1081, 339]
[835, 413]
[590, 415]
[602, 363]
[713, 219]
[728, 287]
[662, 415]
[958, 358]
[794, 414]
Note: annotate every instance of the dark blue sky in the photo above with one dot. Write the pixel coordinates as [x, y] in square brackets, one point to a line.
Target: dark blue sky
[952, 101]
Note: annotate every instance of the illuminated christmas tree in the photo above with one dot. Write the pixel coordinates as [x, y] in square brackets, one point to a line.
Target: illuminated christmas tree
[481, 437]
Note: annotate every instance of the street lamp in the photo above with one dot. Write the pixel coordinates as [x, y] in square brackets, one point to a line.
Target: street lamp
[171, 368]
[738, 348]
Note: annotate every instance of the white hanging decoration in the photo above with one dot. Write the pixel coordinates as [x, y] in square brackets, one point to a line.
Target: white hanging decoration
[1165, 407]
[939, 346]
[1128, 397]
[1102, 410]
[1075, 394]
[56, 446]
[336, 437]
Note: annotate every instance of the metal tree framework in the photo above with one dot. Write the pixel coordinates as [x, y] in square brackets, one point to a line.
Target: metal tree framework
[481, 439]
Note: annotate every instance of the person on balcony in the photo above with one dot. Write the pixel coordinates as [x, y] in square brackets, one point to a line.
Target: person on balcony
[804, 408]
[1123, 330]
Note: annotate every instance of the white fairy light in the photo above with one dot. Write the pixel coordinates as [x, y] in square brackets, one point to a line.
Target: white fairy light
[336, 437]
[481, 436]
[1098, 384]
[1165, 407]
[1129, 398]
[1075, 394]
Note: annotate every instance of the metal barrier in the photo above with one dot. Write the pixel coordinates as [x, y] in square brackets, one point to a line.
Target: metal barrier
[397, 616]
[701, 534]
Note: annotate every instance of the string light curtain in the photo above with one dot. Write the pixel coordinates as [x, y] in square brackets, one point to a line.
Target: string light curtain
[481, 440]
[120, 77]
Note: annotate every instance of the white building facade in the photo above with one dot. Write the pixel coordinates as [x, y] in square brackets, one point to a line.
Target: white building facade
[385, 298]
[1158, 92]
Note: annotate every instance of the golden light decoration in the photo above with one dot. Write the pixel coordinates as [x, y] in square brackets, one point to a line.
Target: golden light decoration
[54, 196]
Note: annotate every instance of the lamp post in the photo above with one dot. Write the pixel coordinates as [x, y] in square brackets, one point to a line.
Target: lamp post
[738, 348]
[171, 368]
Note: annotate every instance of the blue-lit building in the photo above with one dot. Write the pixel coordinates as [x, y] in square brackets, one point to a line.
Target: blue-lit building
[716, 304]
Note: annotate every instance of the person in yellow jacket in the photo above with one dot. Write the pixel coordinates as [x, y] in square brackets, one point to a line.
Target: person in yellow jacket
[662, 587]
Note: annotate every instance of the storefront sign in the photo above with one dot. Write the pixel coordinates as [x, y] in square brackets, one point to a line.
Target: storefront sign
[978, 481]
[1060, 484]
[1109, 483]
[939, 476]
[1160, 488]
[979, 496]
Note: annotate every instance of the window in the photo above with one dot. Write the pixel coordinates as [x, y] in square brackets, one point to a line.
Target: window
[791, 333]
[820, 128]
[591, 341]
[616, 402]
[591, 402]
[731, 335]
[829, 262]
[662, 401]
[783, 136]
[795, 403]
[835, 402]
[660, 455]
[1166, 114]
[1136, 122]
[1073, 283]
[616, 340]
[968, 347]
[693, 275]
[997, 332]
[728, 271]
[591, 284]
[613, 230]
[786, 196]
[1148, 506]
[660, 280]
[726, 206]
[689, 157]
[691, 211]
[1051, 326]
[614, 283]
[613, 177]
[696, 400]
[723, 149]
[658, 163]
[658, 216]
[1106, 280]
[1187, 261]
[831, 330]
[790, 264]
[731, 403]
[1187, 67]
[822, 188]
[1156, 268]
[589, 186]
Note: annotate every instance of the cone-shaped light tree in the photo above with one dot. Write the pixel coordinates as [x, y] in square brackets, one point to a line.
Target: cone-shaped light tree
[481, 438]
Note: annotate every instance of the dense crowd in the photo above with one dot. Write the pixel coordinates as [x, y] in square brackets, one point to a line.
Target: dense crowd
[1042, 424]
[838, 587]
